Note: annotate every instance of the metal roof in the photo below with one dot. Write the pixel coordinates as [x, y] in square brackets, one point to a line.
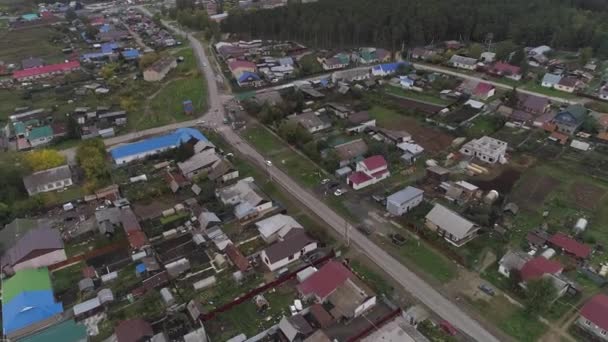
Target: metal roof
[450, 221]
[405, 195]
[176, 138]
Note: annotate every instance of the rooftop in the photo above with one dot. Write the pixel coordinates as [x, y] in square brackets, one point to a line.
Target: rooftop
[176, 138]
[539, 266]
[405, 195]
[596, 310]
[561, 240]
[293, 242]
[325, 281]
[450, 221]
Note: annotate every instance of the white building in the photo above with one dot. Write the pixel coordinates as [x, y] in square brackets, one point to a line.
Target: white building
[369, 171]
[451, 226]
[486, 149]
[462, 62]
[402, 201]
[53, 179]
[276, 227]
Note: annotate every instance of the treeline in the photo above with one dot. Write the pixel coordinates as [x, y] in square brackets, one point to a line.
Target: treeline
[191, 15]
[393, 23]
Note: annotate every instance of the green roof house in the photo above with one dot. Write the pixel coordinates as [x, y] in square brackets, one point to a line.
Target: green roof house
[32, 279]
[67, 331]
[40, 135]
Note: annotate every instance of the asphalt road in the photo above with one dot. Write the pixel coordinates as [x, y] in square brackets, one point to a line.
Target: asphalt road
[410, 281]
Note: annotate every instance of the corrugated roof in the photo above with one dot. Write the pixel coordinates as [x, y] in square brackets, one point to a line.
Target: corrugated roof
[570, 245]
[66, 331]
[176, 138]
[326, 280]
[293, 242]
[405, 195]
[37, 239]
[596, 310]
[539, 266]
[133, 330]
[450, 221]
[33, 279]
[36, 179]
[17, 228]
[61, 67]
[28, 308]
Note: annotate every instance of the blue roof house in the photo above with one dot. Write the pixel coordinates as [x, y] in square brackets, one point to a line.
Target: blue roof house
[138, 150]
[27, 308]
[387, 68]
[248, 78]
[130, 54]
[108, 47]
[406, 82]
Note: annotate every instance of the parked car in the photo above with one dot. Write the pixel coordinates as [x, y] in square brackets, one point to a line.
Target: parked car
[332, 185]
[448, 328]
[325, 181]
[365, 229]
[338, 192]
[398, 239]
[269, 163]
[487, 289]
[379, 198]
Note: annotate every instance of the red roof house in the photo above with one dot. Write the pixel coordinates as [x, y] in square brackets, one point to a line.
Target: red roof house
[237, 258]
[137, 239]
[369, 171]
[325, 281]
[595, 311]
[46, 70]
[539, 266]
[484, 90]
[507, 70]
[570, 246]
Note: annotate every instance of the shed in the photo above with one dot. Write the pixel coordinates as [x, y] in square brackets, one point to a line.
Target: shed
[105, 296]
[86, 284]
[205, 283]
[343, 172]
[167, 296]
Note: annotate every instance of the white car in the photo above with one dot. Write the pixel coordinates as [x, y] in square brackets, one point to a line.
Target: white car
[325, 181]
[200, 122]
[338, 192]
[269, 163]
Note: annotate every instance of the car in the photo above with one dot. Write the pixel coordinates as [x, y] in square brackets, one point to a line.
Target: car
[332, 185]
[379, 198]
[398, 239]
[229, 155]
[366, 230]
[268, 162]
[485, 288]
[325, 181]
[338, 192]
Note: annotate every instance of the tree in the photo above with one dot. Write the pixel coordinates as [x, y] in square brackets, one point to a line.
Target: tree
[475, 50]
[128, 104]
[585, 55]
[108, 71]
[504, 49]
[72, 128]
[148, 59]
[540, 293]
[91, 31]
[44, 159]
[91, 157]
[512, 98]
[519, 57]
[590, 125]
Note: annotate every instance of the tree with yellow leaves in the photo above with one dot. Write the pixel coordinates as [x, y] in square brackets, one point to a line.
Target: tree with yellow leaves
[44, 159]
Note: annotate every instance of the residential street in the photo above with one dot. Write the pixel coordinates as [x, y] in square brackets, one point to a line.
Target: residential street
[410, 281]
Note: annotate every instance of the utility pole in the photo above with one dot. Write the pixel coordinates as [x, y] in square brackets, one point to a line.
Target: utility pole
[347, 233]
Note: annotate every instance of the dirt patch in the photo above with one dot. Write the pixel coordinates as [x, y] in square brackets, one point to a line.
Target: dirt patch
[586, 196]
[433, 141]
[501, 183]
[533, 190]
[425, 108]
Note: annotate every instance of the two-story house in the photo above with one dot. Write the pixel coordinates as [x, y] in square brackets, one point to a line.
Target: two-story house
[570, 120]
[369, 171]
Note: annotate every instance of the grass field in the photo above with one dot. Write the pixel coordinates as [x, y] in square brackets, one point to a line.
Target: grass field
[42, 42]
[263, 141]
[416, 95]
[510, 318]
[483, 125]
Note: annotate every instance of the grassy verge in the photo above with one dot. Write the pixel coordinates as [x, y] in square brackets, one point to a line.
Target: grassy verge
[416, 95]
[374, 280]
[263, 141]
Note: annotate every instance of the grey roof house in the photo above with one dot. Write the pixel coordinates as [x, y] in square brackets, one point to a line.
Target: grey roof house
[48, 180]
[18, 228]
[36, 248]
[451, 226]
[570, 120]
[402, 201]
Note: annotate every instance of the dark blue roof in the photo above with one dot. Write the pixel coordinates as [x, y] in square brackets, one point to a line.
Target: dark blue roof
[108, 47]
[140, 268]
[246, 75]
[28, 308]
[174, 139]
[389, 67]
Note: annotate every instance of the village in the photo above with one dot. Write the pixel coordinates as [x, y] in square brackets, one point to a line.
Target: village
[481, 170]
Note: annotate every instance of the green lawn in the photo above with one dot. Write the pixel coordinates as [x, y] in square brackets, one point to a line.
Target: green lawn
[67, 278]
[416, 95]
[263, 141]
[384, 116]
[299, 167]
[42, 42]
[374, 280]
[483, 125]
[510, 318]
[423, 257]
[167, 106]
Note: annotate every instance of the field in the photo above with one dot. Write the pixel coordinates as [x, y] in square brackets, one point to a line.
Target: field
[43, 42]
[263, 140]
[586, 196]
[533, 190]
[433, 140]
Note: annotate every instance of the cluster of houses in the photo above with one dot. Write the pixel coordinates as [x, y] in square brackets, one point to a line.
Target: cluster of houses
[31, 128]
[153, 35]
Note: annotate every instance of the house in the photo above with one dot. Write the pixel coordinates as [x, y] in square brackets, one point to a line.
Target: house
[276, 227]
[339, 110]
[207, 219]
[423, 53]
[533, 104]
[453, 44]
[247, 201]
[593, 317]
[16, 229]
[451, 226]
[237, 258]
[487, 149]
[339, 61]
[567, 84]
[223, 171]
[402, 201]
[295, 328]
[199, 163]
[512, 260]
[283, 252]
[336, 284]
[350, 75]
[570, 120]
[387, 69]
[406, 82]
[570, 246]
[127, 153]
[31, 62]
[437, 173]
[411, 151]
[39, 247]
[487, 57]
[311, 121]
[28, 303]
[396, 329]
[550, 80]
[159, 69]
[238, 67]
[371, 55]
[249, 79]
[390, 136]
[45, 71]
[483, 91]
[53, 179]
[133, 330]
[462, 62]
[349, 152]
[369, 171]
[506, 70]
[359, 122]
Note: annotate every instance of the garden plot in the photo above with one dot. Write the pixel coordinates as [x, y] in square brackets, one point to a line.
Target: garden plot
[532, 190]
[586, 196]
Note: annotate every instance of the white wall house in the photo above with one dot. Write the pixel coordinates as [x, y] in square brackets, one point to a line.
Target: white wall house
[48, 180]
[282, 253]
[403, 201]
